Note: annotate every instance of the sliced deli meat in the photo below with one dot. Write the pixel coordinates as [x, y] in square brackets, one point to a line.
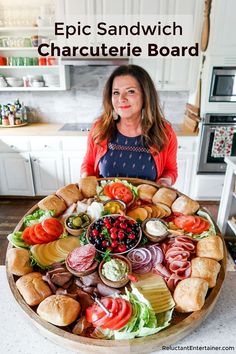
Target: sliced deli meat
[176, 266]
[82, 258]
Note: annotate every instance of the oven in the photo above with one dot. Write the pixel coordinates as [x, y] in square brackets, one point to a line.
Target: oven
[217, 140]
[223, 84]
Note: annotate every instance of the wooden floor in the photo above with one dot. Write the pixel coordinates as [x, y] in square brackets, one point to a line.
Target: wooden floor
[12, 210]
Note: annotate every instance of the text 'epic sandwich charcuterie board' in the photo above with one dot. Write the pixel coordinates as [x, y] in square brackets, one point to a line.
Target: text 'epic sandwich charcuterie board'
[116, 264]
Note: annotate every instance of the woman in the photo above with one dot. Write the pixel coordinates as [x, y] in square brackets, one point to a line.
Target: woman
[131, 138]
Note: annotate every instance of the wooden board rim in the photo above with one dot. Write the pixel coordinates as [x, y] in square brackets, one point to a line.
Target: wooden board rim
[168, 336]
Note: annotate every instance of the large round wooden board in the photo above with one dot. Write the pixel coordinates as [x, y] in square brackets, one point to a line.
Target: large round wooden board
[181, 326]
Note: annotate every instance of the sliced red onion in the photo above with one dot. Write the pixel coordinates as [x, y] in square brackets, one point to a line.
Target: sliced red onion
[144, 269]
[140, 255]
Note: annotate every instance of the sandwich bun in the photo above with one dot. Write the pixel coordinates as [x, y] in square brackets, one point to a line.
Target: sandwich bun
[52, 202]
[185, 205]
[146, 192]
[19, 261]
[60, 310]
[164, 196]
[70, 194]
[88, 186]
[32, 288]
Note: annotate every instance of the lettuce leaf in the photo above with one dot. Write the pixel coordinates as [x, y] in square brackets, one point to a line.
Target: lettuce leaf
[15, 238]
[37, 216]
[143, 321]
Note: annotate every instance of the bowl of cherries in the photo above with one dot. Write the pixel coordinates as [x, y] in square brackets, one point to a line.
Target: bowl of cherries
[116, 233]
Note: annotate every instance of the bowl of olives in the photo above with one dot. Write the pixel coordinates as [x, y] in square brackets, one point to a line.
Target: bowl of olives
[75, 224]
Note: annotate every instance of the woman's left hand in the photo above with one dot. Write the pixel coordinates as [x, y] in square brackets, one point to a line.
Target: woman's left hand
[165, 181]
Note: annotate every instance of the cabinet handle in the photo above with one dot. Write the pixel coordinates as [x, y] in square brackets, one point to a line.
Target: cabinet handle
[45, 146]
[12, 146]
[27, 161]
[166, 81]
[35, 160]
[160, 81]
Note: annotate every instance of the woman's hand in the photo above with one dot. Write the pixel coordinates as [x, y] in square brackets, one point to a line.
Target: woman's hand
[84, 175]
[165, 181]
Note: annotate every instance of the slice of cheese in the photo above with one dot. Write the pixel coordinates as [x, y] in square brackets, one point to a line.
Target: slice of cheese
[154, 289]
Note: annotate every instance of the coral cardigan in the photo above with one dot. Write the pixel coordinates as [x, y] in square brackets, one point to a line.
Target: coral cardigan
[165, 160]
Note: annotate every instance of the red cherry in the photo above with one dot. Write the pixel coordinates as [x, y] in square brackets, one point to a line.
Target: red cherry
[122, 248]
[95, 232]
[121, 235]
[104, 243]
[129, 229]
[121, 218]
[123, 225]
[114, 244]
[113, 229]
[131, 236]
[113, 236]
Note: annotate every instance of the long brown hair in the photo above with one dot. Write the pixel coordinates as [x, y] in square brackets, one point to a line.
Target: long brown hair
[153, 122]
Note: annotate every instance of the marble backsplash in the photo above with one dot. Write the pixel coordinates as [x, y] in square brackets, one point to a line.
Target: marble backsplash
[83, 102]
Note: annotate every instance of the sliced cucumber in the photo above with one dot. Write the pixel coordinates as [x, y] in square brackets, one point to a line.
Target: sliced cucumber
[16, 240]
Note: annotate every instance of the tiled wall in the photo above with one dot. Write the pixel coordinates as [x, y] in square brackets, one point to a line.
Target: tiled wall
[83, 102]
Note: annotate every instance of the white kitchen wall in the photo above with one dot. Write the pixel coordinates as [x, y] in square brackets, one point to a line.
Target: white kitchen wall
[83, 102]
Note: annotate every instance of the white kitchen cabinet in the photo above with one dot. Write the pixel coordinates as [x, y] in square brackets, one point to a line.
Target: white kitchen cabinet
[227, 207]
[16, 174]
[72, 165]
[170, 73]
[74, 149]
[222, 39]
[48, 171]
[186, 154]
[208, 187]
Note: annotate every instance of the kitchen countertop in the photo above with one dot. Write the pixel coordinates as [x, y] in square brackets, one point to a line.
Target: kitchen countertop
[18, 336]
[44, 129]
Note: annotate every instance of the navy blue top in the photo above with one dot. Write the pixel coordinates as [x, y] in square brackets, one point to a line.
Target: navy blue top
[127, 157]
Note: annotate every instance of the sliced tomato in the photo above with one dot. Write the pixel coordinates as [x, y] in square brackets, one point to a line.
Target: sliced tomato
[42, 234]
[95, 313]
[113, 307]
[184, 221]
[53, 227]
[34, 238]
[26, 236]
[125, 319]
[204, 225]
[197, 222]
[122, 312]
[107, 192]
[122, 192]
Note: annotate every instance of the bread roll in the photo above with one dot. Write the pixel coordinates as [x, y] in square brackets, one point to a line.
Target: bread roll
[211, 247]
[165, 196]
[59, 310]
[88, 186]
[185, 205]
[70, 194]
[189, 294]
[52, 202]
[19, 261]
[205, 268]
[146, 192]
[32, 288]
